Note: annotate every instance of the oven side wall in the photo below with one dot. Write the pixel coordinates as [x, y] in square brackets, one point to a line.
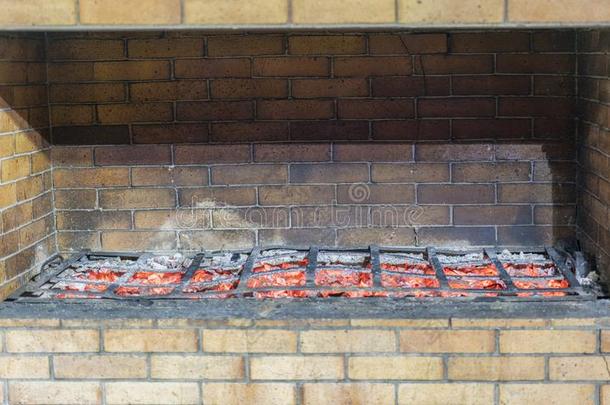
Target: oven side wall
[167, 141]
[594, 145]
[27, 223]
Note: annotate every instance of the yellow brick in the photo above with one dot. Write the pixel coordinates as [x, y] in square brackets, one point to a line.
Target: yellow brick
[54, 392]
[37, 12]
[237, 394]
[197, 367]
[348, 394]
[441, 394]
[137, 12]
[301, 323]
[496, 368]
[604, 395]
[402, 323]
[343, 11]
[573, 322]
[558, 11]
[152, 393]
[547, 341]
[252, 341]
[395, 368]
[33, 322]
[347, 341]
[444, 11]
[296, 368]
[15, 168]
[527, 394]
[150, 340]
[24, 367]
[580, 368]
[96, 366]
[447, 341]
[84, 340]
[605, 341]
[232, 12]
[497, 323]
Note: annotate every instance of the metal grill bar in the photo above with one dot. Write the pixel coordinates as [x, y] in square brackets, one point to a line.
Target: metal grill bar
[375, 265]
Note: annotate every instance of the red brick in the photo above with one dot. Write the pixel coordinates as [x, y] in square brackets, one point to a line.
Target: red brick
[490, 172]
[453, 152]
[85, 49]
[292, 152]
[375, 109]
[165, 48]
[377, 194]
[490, 42]
[371, 152]
[554, 215]
[130, 70]
[372, 66]
[170, 133]
[132, 155]
[492, 215]
[409, 173]
[296, 195]
[212, 68]
[455, 193]
[490, 85]
[402, 130]
[86, 93]
[329, 173]
[492, 128]
[535, 107]
[380, 44]
[554, 85]
[169, 176]
[249, 174]
[128, 113]
[169, 91]
[249, 131]
[326, 45]
[245, 45]
[249, 88]
[291, 66]
[535, 63]
[536, 193]
[294, 109]
[445, 64]
[211, 196]
[457, 107]
[410, 86]
[329, 130]
[554, 41]
[214, 110]
[314, 88]
[208, 154]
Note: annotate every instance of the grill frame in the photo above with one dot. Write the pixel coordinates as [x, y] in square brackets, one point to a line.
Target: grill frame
[575, 291]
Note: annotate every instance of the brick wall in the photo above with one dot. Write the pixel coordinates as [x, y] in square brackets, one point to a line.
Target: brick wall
[185, 140]
[27, 225]
[381, 361]
[98, 14]
[594, 143]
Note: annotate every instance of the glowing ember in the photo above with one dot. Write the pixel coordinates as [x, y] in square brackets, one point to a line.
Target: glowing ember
[397, 280]
[125, 291]
[413, 268]
[535, 284]
[105, 275]
[265, 267]
[530, 269]
[292, 279]
[343, 278]
[477, 284]
[152, 278]
[471, 270]
[223, 286]
[283, 294]
[204, 276]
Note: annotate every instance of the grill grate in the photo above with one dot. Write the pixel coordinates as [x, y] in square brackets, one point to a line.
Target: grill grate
[278, 272]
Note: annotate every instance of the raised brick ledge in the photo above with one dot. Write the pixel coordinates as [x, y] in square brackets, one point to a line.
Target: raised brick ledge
[290, 14]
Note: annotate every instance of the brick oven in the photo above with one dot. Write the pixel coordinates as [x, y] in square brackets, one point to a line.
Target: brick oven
[302, 202]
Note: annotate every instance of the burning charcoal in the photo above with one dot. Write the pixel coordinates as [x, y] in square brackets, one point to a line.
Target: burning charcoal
[147, 277]
[343, 258]
[477, 284]
[285, 261]
[343, 278]
[220, 286]
[535, 284]
[402, 281]
[125, 291]
[507, 256]
[283, 294]
[405, 263]
[530, 269]
[287, 279]
[471, 270]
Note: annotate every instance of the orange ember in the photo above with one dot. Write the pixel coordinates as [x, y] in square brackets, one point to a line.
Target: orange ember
[106, 275]
[204, 276]
[153, 278]
[287, 279]
[397, 281]
[414, 268]
[344, 278]
[475, 284]
[137, 291]
[86, 287]
[283, 294]
[471, 270]
[263, 267]
[530, 285]
[530, 269]
[224, 286]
